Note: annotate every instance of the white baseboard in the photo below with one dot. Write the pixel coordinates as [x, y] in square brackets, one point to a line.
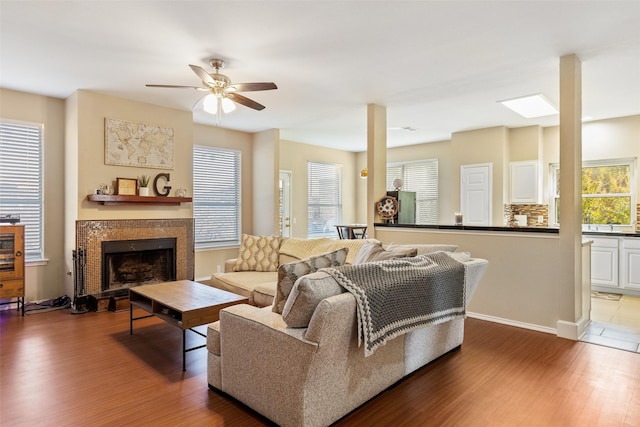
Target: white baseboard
[508, 322]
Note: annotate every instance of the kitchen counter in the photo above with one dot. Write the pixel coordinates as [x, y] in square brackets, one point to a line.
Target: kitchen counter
[472, 228]
[611, 233]
[552, 230]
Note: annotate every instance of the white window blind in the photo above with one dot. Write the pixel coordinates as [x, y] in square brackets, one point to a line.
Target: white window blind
[420, 176]
[21, 180]
[324, 199]
[216, 196]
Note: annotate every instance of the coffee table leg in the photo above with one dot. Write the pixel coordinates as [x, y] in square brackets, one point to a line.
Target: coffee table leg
[130, 319]
[184, 350]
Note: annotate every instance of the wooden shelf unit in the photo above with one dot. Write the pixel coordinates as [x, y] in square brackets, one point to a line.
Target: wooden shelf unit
[12, 264]
[148, 200]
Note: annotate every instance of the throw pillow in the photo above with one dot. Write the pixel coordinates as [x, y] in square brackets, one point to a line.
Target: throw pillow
[371, 252]
[258, 253]
[289, 273]
[305, 297]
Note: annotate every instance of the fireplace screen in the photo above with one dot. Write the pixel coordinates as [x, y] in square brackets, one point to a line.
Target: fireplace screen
[127, 263]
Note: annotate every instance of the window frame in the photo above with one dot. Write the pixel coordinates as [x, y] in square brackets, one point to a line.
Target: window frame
[197, 203]
[421, 199]
[329, 230]
[34, 229]
[554, 198]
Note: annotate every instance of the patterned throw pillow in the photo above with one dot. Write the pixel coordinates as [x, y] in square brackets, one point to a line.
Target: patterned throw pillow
[258, 253]
[289, 273]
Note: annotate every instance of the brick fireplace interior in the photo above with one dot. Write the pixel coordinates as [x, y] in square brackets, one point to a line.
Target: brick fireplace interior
[118, 254]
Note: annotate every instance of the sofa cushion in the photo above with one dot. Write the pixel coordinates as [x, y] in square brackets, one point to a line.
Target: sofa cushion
[294, 249]
[376, 252]
[243, 282]
[258, 253]
[264, 294]
[305, 296]
[423, 248]
[289, 273]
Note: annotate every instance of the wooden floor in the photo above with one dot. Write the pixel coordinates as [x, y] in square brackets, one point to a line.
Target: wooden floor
[58, 369]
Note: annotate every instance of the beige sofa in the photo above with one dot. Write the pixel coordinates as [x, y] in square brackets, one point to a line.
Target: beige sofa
[260, 286]
[314, 375]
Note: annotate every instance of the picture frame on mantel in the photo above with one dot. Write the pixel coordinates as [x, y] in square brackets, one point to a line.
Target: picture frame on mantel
[137, 144]
[127, 186]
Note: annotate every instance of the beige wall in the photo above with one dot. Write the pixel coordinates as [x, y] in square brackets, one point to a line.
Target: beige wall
[93, 108]
[520, 286]
[525, 143]
[266, 156]
[46, 280]
[603, 139]
[294, 157]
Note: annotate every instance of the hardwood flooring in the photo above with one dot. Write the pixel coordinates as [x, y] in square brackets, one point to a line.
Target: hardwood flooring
[58, 369]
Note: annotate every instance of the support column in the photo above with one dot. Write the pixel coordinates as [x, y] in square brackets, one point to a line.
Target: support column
[376, 161]
[570, 241]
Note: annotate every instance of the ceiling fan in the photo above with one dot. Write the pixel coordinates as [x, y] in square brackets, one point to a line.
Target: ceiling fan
[221, 90]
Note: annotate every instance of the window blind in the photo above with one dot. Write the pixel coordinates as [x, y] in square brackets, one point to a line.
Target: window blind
[324, 199]
[216, 196]
[420, 176]
[21, 180]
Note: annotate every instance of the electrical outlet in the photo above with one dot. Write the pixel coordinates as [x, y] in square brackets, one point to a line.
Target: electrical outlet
[218, 269]
[540, 219]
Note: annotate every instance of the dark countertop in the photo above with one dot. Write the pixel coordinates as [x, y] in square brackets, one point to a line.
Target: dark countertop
[507, 229]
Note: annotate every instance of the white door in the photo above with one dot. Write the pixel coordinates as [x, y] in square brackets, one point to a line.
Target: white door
[285, 203]
[475, 194]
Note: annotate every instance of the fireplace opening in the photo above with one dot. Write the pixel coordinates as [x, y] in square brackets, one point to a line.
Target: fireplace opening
[127, 263]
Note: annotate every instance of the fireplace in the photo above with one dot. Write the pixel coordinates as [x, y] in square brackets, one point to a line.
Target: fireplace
[92, 234]
[127, 263]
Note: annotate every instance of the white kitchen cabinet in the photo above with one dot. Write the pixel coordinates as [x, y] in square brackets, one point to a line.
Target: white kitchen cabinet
[630, 264]
[525, 185]
[604, 261]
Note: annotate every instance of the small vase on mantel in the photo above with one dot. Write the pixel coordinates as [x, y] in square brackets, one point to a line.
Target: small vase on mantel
[143, 191]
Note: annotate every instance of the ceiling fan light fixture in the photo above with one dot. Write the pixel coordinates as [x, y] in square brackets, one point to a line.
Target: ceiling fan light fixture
[228, 105]
[210, 104]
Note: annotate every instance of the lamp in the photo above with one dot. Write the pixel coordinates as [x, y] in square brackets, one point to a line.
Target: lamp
[364, 172]
[531, 106]
[215, 104]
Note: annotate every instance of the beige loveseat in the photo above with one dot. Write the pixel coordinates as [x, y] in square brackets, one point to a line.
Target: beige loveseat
[314, 375]
[260, 286]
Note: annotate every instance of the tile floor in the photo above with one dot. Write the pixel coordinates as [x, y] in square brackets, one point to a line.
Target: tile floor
[615, 323]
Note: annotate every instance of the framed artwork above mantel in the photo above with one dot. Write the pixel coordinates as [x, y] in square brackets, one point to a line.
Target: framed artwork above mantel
[137, 144]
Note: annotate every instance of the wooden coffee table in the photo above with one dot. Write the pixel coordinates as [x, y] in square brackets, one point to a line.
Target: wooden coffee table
[183, 304]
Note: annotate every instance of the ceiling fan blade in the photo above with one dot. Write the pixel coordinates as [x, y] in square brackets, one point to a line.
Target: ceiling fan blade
[180, 87]
[202, 73]
[250, 87]
[245, 101]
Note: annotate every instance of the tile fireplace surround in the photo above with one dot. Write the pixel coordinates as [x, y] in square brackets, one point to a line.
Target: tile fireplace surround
[91, 233]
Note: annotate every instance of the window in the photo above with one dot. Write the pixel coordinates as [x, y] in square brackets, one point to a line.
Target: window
[422, 177]
[608, 191]
[216, 196]
[21, 180]
[324, 199]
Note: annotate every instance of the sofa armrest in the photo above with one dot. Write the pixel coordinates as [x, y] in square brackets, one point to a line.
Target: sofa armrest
[257, 350]
[474, 270]
[229, 264]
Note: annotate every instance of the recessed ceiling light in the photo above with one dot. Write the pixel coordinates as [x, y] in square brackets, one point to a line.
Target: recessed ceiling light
[531, 106]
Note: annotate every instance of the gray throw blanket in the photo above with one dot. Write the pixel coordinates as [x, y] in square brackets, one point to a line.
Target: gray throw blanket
[400, 295]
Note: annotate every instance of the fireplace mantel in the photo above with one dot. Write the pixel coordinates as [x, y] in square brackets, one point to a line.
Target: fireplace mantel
[148, 200]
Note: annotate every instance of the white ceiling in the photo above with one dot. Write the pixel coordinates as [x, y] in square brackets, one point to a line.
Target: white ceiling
[437, 66]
